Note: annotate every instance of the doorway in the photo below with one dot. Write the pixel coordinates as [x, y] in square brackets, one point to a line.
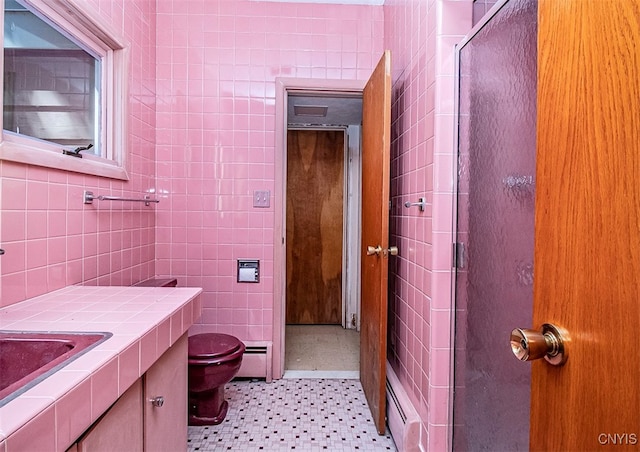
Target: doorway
[313, 90]
[322, 235]
[370, 224]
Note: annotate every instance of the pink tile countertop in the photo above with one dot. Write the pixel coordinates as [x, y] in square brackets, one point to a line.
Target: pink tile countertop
[145, 322]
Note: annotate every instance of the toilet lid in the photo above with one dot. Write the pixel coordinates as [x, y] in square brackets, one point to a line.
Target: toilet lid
[212, 345]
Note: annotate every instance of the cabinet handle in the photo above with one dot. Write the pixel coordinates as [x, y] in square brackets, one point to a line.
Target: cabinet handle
[157, 401]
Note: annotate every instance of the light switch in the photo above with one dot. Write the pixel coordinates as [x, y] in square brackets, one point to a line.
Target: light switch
[261, 198]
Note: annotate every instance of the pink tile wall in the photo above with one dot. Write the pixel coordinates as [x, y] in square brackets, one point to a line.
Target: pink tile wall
[217, 65]
[422, 35]
[50, 237]
[480, 8]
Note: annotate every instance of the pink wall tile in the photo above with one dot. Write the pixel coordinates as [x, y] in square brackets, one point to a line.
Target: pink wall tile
[215, 124]
[480, 8]
[42, 210]
[202, 106]
[36, 281]
[13, 287]
[421, 35]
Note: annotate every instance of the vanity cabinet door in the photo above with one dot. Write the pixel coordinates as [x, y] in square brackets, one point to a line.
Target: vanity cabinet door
[120, 428]
[165, 419]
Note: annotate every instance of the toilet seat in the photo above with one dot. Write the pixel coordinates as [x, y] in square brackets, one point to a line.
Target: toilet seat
[213, 347]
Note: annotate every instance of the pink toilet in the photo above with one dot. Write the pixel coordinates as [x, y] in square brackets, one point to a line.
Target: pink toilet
[214, 359]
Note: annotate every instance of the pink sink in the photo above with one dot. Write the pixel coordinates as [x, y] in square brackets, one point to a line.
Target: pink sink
[27, 358]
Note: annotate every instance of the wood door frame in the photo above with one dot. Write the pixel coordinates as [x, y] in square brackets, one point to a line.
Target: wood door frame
[283, 87]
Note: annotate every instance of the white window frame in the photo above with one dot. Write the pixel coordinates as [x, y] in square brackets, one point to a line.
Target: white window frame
[84, 24]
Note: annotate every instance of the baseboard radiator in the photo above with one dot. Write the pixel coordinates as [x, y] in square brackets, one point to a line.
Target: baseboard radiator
[256, 361]
[402, 417]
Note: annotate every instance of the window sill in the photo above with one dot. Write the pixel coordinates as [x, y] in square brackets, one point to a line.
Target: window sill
[89, 164]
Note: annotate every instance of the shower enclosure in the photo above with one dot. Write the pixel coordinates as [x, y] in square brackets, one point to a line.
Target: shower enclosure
[495, 227]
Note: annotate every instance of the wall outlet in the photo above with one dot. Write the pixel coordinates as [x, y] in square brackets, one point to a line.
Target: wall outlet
[261, 198]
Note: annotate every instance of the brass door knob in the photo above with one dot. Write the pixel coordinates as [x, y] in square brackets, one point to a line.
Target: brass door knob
[371, 250]
[528, 344]
[392, 250]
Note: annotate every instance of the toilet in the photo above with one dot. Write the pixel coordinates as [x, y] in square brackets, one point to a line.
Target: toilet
[214, 359]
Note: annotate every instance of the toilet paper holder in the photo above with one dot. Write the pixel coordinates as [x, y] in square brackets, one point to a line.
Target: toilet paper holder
[248, 270]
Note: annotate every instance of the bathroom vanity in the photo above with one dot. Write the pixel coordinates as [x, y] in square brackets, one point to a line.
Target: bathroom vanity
[129, 388]
[150, 415]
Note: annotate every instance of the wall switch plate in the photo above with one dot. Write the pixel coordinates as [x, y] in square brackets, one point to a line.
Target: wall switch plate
[261, 198]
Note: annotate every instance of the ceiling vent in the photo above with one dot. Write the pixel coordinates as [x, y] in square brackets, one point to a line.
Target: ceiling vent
[310, 110]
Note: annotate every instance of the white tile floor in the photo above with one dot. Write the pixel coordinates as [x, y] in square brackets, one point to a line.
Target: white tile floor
[302, 414]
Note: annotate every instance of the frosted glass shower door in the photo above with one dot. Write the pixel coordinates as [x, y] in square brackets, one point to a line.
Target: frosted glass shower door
[495, 228]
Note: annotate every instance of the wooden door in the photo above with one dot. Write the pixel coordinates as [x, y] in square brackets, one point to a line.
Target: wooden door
[315, 192]
[587, 245]
[376, 139]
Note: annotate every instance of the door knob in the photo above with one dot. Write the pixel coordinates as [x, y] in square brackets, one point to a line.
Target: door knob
[527, 344]
[374, 250]
[371, 250]
[157, 401]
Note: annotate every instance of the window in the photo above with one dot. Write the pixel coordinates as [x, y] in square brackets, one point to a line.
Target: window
[63, 89]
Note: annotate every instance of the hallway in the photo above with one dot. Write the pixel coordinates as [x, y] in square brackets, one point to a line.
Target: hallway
[322, 351]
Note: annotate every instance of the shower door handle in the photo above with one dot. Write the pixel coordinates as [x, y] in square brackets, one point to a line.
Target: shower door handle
[550, 344]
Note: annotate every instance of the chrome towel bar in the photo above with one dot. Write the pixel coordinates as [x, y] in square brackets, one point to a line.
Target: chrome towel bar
[89, 197]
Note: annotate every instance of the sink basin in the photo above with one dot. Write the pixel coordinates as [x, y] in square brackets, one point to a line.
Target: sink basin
[27, 358]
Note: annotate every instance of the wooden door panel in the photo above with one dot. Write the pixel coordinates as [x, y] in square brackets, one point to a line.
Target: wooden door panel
[315, 192]
[376, 141]
[587, 246]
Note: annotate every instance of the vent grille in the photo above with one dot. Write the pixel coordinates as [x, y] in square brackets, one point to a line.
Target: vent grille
[392, 395]
[255, 350]
[310, 110]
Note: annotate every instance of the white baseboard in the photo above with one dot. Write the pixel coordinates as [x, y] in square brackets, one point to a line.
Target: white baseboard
[402, 417]
[256, 361]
